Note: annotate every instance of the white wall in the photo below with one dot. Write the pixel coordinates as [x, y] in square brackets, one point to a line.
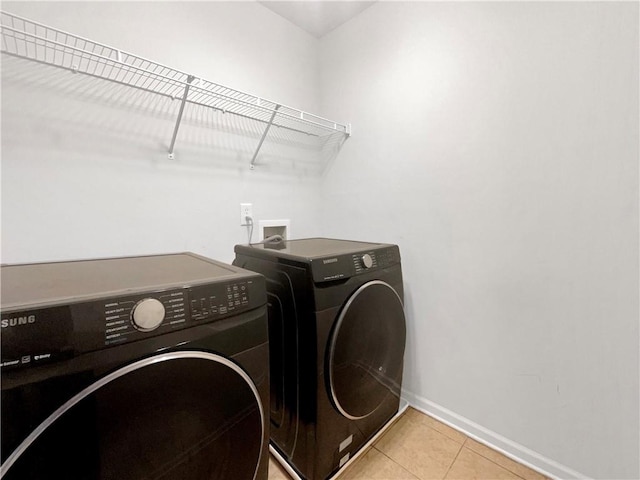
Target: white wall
[84, 164]
[497, 144]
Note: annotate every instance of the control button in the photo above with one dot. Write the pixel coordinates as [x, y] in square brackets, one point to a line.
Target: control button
[367, 261]
[147, 314]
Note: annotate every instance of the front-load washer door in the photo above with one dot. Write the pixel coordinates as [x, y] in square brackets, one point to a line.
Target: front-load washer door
[180, 415]
[366, 350]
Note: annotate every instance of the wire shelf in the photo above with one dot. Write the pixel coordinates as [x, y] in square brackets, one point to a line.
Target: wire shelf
[34, 41]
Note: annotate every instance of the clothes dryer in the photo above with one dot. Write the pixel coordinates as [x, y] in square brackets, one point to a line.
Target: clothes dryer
[337, 336]
[127, 368]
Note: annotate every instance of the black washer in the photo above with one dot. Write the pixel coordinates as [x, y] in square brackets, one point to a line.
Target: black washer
[337, 334]
[87, 395]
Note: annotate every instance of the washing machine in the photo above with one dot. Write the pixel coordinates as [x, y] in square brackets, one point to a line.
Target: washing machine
[149, 367]
[337, 335]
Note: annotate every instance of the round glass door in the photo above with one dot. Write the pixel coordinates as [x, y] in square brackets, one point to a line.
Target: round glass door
[366, 350]
[179, 415]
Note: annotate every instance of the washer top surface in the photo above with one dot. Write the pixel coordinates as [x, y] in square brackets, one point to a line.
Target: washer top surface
[56, 282]
[311, 248]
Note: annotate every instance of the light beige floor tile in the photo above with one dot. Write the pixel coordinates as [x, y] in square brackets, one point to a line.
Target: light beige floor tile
[503, 461]
[276, 472]
[374, 465]
[472, 466]
[420, 449]
[452, 433]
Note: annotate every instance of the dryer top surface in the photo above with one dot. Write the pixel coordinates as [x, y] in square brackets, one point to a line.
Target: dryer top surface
[42, 283]
[312, 248]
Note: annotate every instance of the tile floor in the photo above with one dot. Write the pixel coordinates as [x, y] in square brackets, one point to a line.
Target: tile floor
[418, 447]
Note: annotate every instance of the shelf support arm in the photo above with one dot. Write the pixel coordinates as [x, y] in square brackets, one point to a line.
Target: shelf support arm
[190, 79]
[264, 135]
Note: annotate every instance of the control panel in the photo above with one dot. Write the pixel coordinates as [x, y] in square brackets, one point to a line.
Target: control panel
[132, 317]
[375, 259]
[213, 301]
[126, 317]
[344, 266]
[365, 261]
[32, 337]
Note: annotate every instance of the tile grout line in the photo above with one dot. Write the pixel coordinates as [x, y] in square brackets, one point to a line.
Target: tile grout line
[430, 427]
[478, 453]
[490, 460]
[399, 464]
[445, 431]
[454, 460]
[461, 446]
[450, 437]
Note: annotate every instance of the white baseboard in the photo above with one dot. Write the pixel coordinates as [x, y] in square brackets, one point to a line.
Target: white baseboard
[509, 448]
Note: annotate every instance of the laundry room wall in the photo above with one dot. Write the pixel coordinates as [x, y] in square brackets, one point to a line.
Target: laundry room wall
[85, 171]
[497, 144]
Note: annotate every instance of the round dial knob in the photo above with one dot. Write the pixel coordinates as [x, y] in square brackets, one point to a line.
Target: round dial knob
[367, 261]
[147, 314]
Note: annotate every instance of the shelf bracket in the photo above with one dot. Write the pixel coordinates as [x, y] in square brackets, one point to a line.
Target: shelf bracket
[190, 79]
[264, 135]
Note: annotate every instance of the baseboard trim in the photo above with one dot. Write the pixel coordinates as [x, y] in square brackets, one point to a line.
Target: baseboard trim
[509, 448]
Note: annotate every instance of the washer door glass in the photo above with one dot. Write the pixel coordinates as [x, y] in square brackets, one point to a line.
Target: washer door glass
[181, 415]
[366, 350]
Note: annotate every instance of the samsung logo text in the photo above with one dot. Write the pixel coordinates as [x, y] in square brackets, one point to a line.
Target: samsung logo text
[17, 321]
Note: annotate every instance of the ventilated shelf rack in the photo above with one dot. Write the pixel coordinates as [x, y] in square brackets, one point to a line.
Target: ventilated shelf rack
[34, 41]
